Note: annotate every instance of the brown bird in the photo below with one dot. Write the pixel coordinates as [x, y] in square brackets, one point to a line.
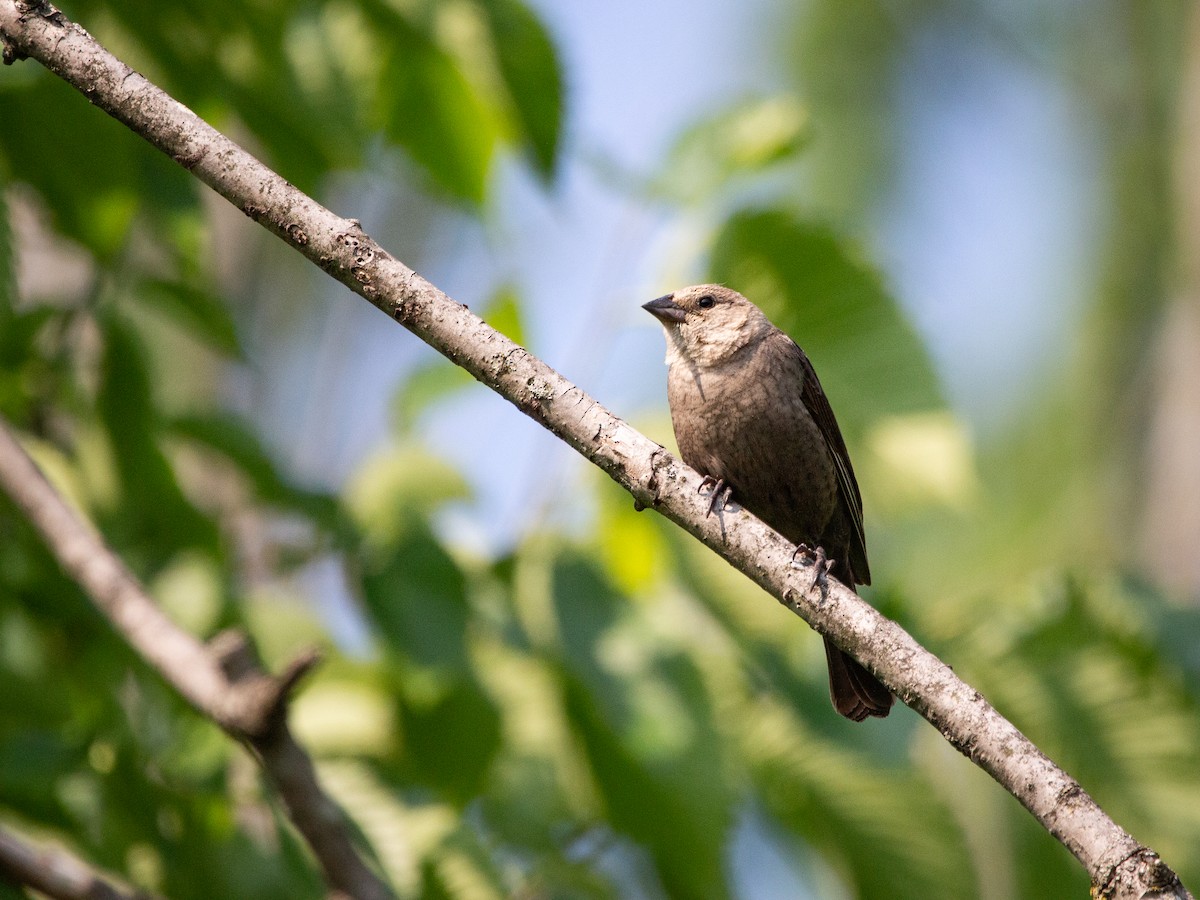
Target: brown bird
[750, 414]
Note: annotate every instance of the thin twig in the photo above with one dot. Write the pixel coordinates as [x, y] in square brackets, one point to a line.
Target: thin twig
[1117, 864]
[222, 681]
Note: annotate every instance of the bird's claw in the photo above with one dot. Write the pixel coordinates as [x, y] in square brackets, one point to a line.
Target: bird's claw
[815, 556]
[721, 492]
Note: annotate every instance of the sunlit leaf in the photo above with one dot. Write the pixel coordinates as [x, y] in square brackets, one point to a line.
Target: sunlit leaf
[391, 486]
[425, 387]
[344, 717]
[739, 141]
[503, 313]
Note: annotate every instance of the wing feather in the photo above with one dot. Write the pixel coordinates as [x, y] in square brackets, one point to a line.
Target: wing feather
[818, 407]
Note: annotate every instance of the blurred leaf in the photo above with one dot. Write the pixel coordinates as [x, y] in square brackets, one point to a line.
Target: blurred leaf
[462, 869]
[739, 141]
[525, 804]
[344, 717]
[154, 516]
[868, 357]
[846, 57]
[425, 387]
[860, 816]
[29, 377]
[429, 109]
[643, 805]
[190, 589]
[32, 763]
[646, 727]
[450, 741]
[235, 68]
[234, 438]
[416, 596]
[395, 486]
[531, 70]
[1176, 637]
[918, 460]
[197, 310]
[123, 177]
[18, 333]
[281, 624]
[631, 544]
[1108, 702]
[503, 313]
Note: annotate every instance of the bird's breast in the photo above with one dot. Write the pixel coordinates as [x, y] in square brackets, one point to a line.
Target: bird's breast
[748, 425]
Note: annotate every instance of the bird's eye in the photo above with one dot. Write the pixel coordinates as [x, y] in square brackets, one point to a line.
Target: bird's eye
[706, 302]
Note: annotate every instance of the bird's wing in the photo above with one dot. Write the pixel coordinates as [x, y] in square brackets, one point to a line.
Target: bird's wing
[818, 407]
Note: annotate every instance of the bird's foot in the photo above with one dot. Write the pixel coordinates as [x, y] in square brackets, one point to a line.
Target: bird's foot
[814, 556]
[719, 498]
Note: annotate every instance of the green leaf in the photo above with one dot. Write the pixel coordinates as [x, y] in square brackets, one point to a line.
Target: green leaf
[27, 378]
[199, 311]
[424, 388]
[394, 488]
[503, 313]
[430, 109]
[530, 68]
[882, 828]
[123, 177]
[237, 68]
[152, 512]
[451, 739]
[416, 595]
[743, 139]
[642, 803]
[1089, 669]
[870, 360]
[461, 867]
[647, 728]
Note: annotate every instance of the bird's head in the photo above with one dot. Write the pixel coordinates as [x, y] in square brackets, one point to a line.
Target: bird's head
[708, 324]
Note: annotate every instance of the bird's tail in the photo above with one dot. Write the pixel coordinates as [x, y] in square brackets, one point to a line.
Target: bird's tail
[856, 693]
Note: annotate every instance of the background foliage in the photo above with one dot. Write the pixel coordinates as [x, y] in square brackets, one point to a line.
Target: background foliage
[600, 707]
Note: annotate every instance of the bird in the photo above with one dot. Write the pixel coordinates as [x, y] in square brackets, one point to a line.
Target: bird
[749, 414]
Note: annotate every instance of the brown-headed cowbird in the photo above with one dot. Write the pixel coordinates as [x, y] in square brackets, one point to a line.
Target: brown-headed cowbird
[750, 414]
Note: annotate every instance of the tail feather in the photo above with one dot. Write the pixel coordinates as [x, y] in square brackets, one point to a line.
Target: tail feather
[855, 692]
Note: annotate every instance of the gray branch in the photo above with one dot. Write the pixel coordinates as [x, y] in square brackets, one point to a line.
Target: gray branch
[55, 872]
[1118, 865]
[222, 681]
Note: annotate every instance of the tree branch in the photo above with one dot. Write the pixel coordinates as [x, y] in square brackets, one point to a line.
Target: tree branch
[55, 872]
[222, 681]
[1117, 864]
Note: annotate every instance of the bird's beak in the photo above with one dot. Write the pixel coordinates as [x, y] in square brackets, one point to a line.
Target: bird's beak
[665, 310]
